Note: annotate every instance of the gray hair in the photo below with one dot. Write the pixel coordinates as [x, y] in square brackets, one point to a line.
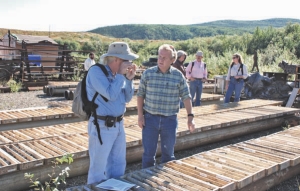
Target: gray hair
[169, 48]
[108, 59]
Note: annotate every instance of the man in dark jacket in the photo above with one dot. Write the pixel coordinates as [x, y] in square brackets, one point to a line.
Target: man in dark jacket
[181, 56]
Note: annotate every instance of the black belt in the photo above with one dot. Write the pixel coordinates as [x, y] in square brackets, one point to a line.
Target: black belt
[153, 114]
[117, 119]
[198, 78]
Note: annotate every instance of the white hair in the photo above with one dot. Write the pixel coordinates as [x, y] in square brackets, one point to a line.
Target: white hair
[107, 60]
[169, 48]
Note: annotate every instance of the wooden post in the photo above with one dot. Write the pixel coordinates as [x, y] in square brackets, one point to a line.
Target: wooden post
[62, 63]
[292, 97]
[68, 63]
[9, 38]
[25, 58]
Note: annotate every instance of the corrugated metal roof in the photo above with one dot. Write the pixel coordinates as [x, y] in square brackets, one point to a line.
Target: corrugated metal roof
[32, 39]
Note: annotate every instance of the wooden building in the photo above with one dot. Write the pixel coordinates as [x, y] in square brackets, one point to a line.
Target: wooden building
[40, 48]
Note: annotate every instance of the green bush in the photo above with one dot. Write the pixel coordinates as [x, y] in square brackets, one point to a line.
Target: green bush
[14, 86]
[54, 181]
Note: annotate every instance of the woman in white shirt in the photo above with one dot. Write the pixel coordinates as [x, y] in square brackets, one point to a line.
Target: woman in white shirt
[237, 72]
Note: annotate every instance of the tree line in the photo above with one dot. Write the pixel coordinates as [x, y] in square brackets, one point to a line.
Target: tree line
[185, 32]
[271, 44]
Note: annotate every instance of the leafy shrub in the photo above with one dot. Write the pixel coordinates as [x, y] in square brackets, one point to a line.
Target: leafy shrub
[14, 86]
[54, 182]
[77, 76]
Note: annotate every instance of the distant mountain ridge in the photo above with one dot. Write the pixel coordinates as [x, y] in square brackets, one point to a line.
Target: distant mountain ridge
[275, 22]
[184, 32]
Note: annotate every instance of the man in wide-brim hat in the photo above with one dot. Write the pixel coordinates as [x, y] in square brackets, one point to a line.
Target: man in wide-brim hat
[107, 145]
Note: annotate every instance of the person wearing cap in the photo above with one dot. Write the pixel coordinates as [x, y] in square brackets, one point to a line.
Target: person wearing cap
[158, 96]
[89, 61]
[108, 160]
[181, 56]
[196, 72]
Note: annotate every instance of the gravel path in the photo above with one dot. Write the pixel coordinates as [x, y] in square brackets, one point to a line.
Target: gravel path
[20, 100]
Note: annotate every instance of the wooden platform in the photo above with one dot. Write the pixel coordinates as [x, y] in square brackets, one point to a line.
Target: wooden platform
[257, 164]
[63, 111]
[26, 149]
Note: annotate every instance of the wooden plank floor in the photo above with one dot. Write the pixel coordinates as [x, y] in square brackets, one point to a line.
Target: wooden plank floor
[35, 145]
[64, 111]
[227, 168]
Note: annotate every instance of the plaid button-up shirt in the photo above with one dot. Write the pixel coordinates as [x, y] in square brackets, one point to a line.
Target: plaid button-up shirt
[162, 91]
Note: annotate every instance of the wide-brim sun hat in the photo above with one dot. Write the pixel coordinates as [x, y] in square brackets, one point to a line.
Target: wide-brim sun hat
[120, 50]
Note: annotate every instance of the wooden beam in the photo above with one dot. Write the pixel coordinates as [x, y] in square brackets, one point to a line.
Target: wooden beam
[274, 179]
[292, 97]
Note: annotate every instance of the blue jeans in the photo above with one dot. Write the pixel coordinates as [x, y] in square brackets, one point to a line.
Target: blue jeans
[109, 159]
[155, 126]
[235, 86]
[196, 88]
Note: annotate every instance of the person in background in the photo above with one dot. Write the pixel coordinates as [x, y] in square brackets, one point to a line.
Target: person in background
[107, 152]
[237, 72]
[89, 62]
[158, 96]
[196, 72]
[181, 56]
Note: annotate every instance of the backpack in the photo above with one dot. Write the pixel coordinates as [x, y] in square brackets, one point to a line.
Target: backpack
[193, 66]
[240, 68]
[81, 105]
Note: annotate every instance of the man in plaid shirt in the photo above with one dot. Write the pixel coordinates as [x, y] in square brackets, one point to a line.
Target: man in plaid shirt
[160, 90]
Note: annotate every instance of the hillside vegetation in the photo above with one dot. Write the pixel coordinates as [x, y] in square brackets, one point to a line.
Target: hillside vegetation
[184, 32]
[272, 44]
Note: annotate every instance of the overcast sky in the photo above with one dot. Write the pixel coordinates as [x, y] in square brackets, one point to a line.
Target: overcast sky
[75, 15]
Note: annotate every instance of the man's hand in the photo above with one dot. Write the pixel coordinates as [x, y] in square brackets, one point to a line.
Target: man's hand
[191, 124]
[124, 67]
[131, 71]
[141, 121]
[192, 79]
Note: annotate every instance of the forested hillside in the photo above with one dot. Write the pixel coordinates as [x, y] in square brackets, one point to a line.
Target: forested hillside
[272, 44]
[184, 32]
